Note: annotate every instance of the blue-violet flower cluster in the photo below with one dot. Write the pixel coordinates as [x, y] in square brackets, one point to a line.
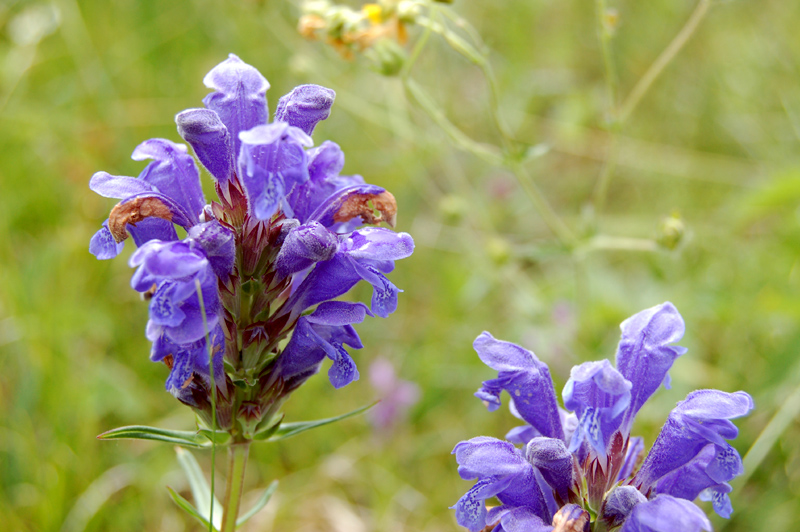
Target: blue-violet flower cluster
[259, 270]
[578, 468]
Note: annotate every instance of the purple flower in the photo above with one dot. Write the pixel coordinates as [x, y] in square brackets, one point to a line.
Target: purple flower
[284, 237]
[589, 456]
[397, 395]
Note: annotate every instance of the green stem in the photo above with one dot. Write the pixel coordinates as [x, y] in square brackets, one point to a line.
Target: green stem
[542, 206]
[237, 454]
[604, 34]
[213, 401]
[663, 60]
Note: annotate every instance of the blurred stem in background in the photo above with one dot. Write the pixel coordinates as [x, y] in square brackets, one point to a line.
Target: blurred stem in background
[606, 21]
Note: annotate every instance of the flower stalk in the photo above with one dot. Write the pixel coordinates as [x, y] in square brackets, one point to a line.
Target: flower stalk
[234, 486]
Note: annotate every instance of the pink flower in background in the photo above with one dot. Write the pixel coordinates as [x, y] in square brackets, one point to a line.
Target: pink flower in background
[396, 395]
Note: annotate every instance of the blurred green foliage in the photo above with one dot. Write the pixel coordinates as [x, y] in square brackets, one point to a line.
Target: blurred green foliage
[711, 155]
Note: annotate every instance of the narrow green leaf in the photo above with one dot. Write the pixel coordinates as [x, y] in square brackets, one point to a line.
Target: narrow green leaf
[287, 430]
[260, 503]
[140, 432]
[187, 507]
[197, 482]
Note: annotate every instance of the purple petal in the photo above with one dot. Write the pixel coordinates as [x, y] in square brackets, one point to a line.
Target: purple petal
[152, 229]
[219, 245]
[520, 519]
[526, 379]
[173, 173]
[618, 504]
[305, 107]
[304, 246]
[339, 313]
[554, 461]
[212, 143]
[384, 293]
[271, 161]
[718, 495]
[599, 395]
[471, 509]
[701, 419]
[378, 244]
[635, 450]
[689, 481]
[483, 457]
[644, 355]
[328, 280]
[118, 187]
[103, 246]
[171, 260]
[666, 514]
[343, 371]
[240, 97]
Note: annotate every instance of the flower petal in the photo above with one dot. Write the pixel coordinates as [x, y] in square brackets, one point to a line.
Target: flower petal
[644, 355]
[526, 379]
[118, 187]
[701, 419]
[212, 143]
[666, 514]
[304, 246]
[305, 106]
[173, 173]
[240, 97]
[103, 246]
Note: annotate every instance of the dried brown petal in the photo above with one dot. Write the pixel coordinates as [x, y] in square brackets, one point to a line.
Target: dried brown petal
[354, 206]
[133, 212]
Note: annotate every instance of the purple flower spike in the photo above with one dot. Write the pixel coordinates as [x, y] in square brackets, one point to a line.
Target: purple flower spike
[599, 395]
[526, 379]
[644, 354]
[305, 107]
[587, 473]
[552, 458]
[666, 514]
[212, 143]
[240, 97]
[281, 238]
[701, 419]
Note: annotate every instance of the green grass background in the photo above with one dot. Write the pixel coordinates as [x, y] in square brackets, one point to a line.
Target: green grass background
[716, 139]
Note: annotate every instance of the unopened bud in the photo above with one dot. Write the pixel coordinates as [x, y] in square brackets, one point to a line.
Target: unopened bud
[671, 231]
[388, 56]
